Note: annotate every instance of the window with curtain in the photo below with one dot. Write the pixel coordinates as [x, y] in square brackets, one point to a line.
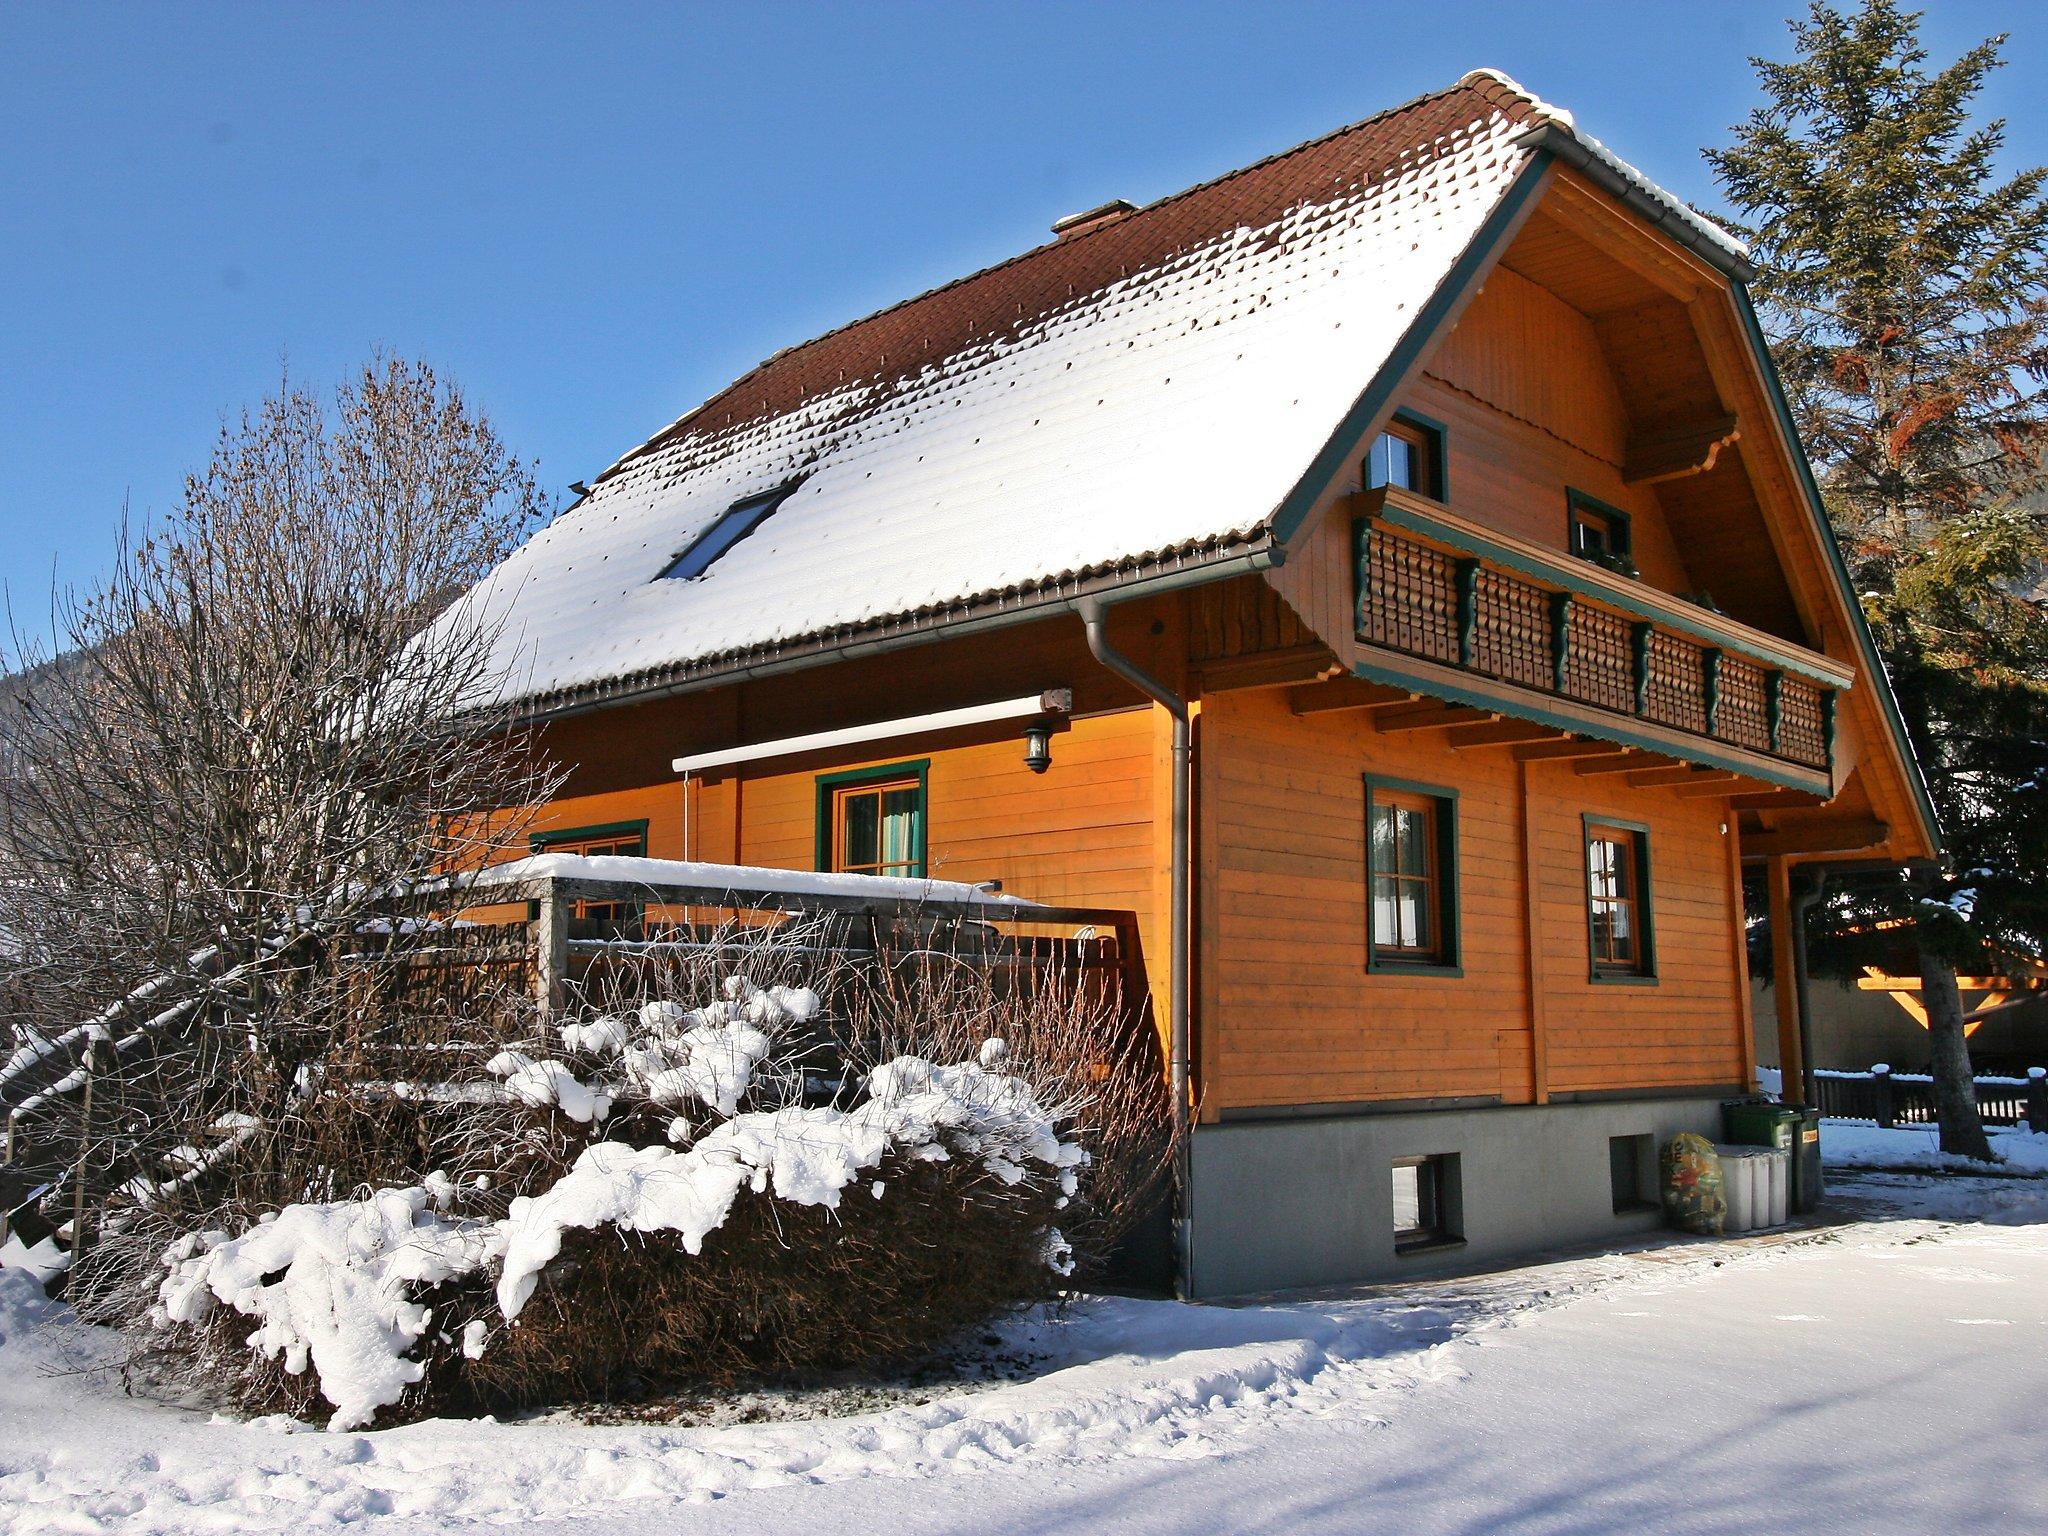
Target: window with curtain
[878, 828]
[1617, 900]
[1412, 875]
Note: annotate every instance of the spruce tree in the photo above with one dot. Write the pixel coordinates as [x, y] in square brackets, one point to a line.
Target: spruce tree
[1904, 285]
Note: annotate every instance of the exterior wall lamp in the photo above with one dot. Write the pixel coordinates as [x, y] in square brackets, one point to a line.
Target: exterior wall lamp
[1055, 705]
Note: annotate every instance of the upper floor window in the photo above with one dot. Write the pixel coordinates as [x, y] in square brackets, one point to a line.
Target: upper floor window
[1412, 854]
[732, 525]
[1409, 454]
[1618, 900]
[1600, 533]
[872, 821]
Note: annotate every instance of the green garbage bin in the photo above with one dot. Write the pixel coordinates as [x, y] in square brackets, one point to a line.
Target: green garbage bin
[1806, 1176]
[1758, 1123]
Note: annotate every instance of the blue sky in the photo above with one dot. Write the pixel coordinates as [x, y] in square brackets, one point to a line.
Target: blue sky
[596, 215]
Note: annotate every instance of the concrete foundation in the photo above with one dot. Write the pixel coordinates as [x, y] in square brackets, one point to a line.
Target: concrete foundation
[1294, 1200]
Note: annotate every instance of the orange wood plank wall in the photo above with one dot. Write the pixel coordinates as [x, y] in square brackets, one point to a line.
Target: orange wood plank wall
[1290, 1014]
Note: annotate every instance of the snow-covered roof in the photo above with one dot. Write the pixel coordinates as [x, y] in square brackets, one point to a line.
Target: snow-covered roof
[1148, 388]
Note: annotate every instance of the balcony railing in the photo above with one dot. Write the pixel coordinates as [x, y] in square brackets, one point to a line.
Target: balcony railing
[1437, 587]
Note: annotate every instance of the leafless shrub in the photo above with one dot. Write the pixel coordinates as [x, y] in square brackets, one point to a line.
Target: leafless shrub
[227, 765]
[914, 1251]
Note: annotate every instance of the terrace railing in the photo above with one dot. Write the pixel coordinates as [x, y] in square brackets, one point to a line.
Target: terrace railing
[1888, 1098]
[1437, 587]
[683, 906]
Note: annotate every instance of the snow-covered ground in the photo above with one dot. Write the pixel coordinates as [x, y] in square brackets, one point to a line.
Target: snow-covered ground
[1887, 1373]
[1853, 1144]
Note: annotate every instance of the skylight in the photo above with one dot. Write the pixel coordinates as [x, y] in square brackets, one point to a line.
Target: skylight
[734, 524]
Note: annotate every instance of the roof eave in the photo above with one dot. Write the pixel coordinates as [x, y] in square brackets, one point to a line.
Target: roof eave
[1168, 571]
[1570, 149]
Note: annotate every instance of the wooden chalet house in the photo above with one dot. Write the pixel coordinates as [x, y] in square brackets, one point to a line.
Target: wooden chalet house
[1408, 541]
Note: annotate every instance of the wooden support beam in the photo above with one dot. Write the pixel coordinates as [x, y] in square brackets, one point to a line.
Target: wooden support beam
[1784, 974]
[1345, 693]
[1830, 837]
[1428, 717]
[1874, 980]
[1712, 785]
[1777, 800]
[1661, 778]
[1570, 747]
[551, 951]
[1631, 763]
[1269, 669]
[1672, 451]
[1501, 733]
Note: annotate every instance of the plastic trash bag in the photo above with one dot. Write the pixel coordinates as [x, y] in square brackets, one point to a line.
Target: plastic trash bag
[1694, 1200]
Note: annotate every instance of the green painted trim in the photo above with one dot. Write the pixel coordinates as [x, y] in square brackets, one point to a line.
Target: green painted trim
[1650, 603]
[1866, 646]
[1645, 975]
[1447, 865]
[1605, 728]
[1574, 498]
[1639, 663]
[1466, 573]
[1335, 454]
[540, 842]
[1560, 640]
[1361, 569]
[919, 769]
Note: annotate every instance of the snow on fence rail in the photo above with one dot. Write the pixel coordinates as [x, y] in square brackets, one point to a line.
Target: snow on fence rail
[557, 886]
[1889, 1098]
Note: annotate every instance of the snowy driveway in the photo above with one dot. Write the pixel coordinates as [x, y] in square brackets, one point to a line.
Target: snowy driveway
[1889, 1375]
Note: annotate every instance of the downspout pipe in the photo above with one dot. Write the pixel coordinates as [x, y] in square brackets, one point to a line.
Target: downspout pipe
[1180, 926]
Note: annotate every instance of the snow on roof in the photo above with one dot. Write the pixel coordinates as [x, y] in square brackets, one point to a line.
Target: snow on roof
[1677, 206]
[1150, 387]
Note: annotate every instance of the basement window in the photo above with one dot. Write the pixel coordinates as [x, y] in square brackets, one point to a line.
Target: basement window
[734, 524]
[1632, 1173]
[1410, 455]
[1426, 1203]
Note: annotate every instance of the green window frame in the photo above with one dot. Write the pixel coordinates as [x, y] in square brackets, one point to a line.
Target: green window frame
[1389, 866]
[1423, 437]
[837, 791]
[1620, 554]
[1614, 887]
[622, 832]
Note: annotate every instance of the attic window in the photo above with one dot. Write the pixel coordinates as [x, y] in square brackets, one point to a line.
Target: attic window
[734, 524]
[1409, 454]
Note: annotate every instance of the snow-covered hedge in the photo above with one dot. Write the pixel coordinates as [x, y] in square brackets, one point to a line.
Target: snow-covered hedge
[713, 1222]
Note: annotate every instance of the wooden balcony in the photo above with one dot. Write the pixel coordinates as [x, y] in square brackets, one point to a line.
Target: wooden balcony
[1494, 621]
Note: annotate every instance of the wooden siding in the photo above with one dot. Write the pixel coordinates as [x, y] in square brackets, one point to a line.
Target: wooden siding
[1290, 1013]
[1080, 834]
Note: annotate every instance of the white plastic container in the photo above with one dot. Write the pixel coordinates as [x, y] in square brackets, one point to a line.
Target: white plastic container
[1738, 1187]
[1779, 1164]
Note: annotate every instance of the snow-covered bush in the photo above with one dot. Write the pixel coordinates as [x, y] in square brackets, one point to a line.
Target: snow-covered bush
[718, 1184]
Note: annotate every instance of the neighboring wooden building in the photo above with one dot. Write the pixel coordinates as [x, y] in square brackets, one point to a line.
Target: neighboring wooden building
[1437, 469]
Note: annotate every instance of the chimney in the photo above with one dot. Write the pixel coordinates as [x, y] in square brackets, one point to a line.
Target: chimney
[1080, 223]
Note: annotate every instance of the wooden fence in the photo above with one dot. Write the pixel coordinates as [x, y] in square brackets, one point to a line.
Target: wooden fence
[1889, 1098]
